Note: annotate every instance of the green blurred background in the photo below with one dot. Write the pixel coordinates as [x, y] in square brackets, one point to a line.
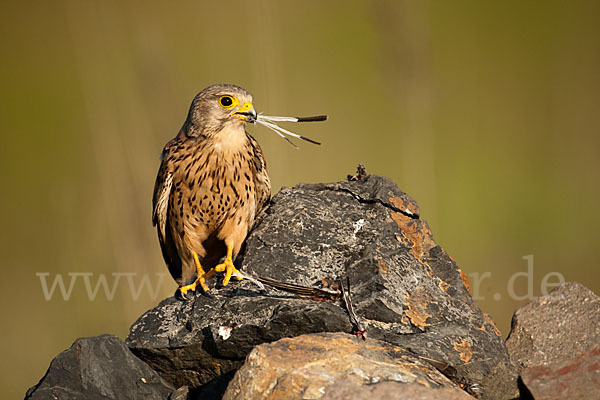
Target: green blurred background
[485, 112]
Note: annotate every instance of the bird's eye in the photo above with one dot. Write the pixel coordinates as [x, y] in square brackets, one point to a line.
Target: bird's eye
[227, 101]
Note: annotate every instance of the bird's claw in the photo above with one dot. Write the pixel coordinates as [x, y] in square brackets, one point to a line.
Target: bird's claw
[200, 281]
[187, 288]
[229, 269]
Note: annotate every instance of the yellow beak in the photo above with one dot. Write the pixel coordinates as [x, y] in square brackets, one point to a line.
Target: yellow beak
[246, 112]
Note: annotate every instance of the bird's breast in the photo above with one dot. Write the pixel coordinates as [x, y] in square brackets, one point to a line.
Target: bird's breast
[215, 183]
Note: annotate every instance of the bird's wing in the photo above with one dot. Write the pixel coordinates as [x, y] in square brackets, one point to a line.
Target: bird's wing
[262, 182]
[162, 192]
[160, 214]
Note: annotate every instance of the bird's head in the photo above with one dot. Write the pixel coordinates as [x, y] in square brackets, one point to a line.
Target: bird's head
[217, 107]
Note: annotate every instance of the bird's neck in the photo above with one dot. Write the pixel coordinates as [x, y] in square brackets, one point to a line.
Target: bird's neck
[231, 139]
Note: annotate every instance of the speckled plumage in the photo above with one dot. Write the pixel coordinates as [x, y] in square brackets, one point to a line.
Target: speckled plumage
[211, 184]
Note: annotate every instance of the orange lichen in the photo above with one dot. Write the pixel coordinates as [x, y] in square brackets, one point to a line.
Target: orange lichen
[465, 279]
[444, 286]
[404, 205]
[416, 304]
[416, 235]
[490, 321]
[381, 267]
[464, 348]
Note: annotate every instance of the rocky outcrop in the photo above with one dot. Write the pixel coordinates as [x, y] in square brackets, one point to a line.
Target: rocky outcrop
[554, 341]
[202, 341]
[406, 290]
[426, 338]
[575, 378]
[100, 367]
[555, 327]
[307, 366]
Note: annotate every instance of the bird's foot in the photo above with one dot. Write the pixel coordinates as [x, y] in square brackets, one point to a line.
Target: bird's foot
[200, 281]
[229, 269]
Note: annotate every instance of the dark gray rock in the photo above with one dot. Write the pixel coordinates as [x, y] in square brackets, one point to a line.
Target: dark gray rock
[555, 327]
[197, 342]
[100, 367]
[405, 288]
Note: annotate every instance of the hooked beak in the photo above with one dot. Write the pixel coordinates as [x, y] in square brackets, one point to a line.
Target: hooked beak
[246, 113]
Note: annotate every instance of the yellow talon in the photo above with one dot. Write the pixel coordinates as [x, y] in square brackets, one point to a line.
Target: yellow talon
[202, 276]
[227, 266]
[200, 279]
[187, 288]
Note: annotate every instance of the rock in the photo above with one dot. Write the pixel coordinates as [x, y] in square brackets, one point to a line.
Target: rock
[194, 343]
[555, 327]
[346, 389]
[100, 367]
[181, 393]
[406, 289]
[305, 366]
[577, 378]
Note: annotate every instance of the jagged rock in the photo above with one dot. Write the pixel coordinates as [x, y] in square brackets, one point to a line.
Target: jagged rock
[197, 342]
[406, 289]
[305, 366]
[555, 327]
[100, 367]
[577, 378]
[346, 389]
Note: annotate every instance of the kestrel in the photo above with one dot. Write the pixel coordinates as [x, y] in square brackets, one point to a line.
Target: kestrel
[211, 185]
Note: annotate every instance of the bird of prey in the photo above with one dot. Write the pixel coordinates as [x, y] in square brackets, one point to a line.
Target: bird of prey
[211, 185]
